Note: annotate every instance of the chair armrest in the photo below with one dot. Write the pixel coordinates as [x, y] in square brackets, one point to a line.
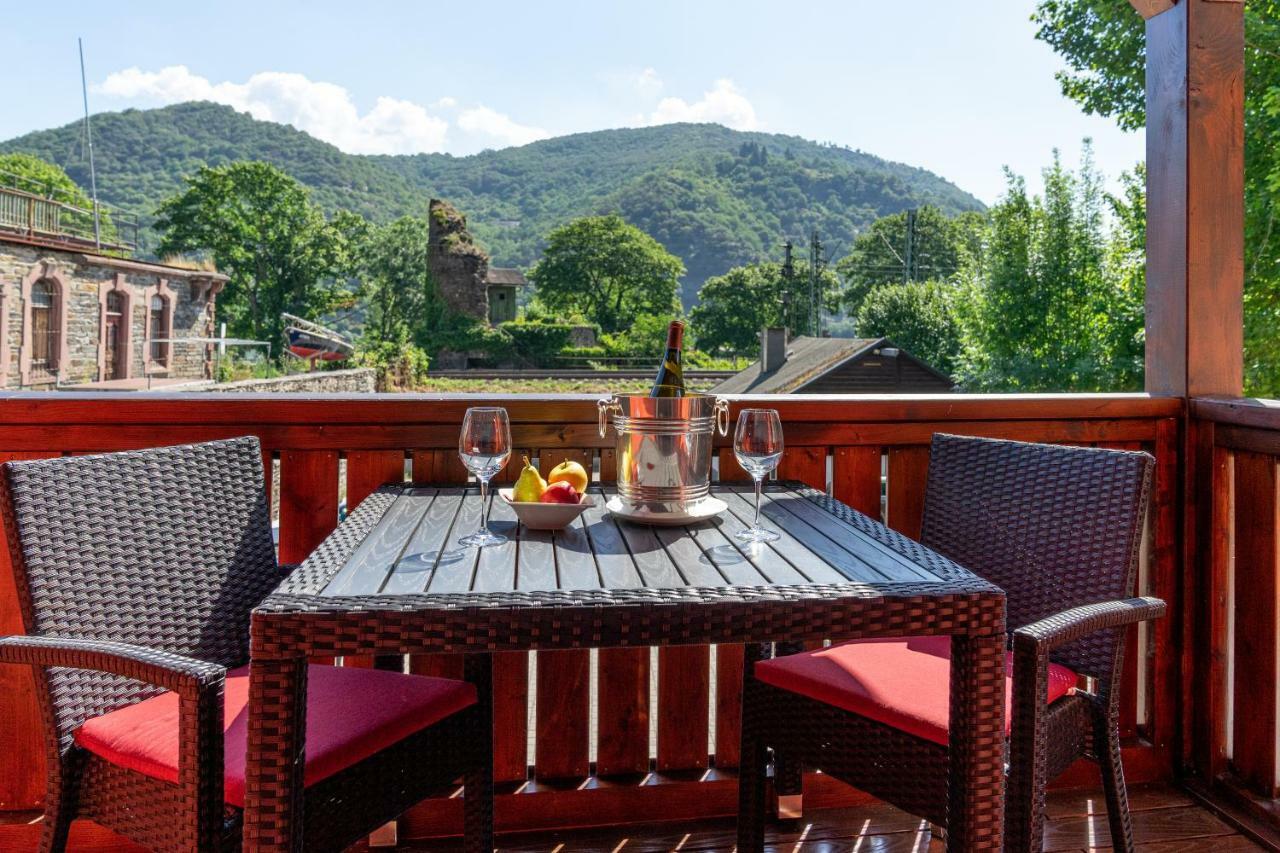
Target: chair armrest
[1057, 630]
[183, 675]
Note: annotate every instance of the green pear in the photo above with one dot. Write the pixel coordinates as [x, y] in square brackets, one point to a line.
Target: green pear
[530, 486]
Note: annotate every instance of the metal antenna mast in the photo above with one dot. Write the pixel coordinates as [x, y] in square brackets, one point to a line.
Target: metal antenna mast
[88, 135]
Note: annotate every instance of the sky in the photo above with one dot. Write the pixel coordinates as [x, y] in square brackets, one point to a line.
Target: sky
[962, 89]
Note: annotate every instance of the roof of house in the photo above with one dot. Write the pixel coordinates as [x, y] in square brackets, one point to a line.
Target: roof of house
[505, 275]
[807, 359]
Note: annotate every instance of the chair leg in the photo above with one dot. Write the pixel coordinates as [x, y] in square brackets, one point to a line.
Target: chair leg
[752, 763]
[1107, 740]
[788, 784]
[60, 806]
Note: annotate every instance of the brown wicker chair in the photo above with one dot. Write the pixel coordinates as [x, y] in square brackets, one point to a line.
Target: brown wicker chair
[137, 573]
[1059, 529]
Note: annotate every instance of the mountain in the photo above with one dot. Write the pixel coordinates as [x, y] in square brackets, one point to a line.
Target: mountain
[713, 196]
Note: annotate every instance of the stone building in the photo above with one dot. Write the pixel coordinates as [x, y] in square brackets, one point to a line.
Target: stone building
[461, 270]
[69, 316]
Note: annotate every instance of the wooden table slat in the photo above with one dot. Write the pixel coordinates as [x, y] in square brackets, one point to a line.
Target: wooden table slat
[368, 567]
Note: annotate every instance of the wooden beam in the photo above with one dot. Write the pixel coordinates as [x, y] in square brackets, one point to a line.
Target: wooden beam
[1151, 8]
[1195, 198]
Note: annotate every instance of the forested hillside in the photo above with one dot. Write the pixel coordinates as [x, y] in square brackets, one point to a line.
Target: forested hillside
[715, 197]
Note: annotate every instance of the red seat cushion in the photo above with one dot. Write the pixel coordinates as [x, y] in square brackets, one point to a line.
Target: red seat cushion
[351, 714]
[904, 683]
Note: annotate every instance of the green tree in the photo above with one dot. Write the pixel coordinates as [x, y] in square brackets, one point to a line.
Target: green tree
[879, 257]
[1051, 305]
[734, 307]
[1104, 47]
[395, 284]
[262, 230]
[609, 270]
[920, 317]
[33, 175]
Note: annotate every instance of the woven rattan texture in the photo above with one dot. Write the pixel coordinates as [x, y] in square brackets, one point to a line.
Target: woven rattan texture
[1059, 529]
[1054, 527]
[300, 621]
[168, 549]
[138, 573]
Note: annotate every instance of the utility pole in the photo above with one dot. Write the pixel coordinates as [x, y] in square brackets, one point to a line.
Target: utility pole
[909, 256]
[88, 135]
[815, 262]
[788, 275]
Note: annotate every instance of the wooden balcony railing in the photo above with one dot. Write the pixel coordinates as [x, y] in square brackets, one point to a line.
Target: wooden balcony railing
[664, 743]
[1233, 512]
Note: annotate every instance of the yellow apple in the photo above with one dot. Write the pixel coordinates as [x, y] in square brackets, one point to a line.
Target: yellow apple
[572, 473]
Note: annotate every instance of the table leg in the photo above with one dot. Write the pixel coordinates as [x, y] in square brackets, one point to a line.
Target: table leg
[477, 792]
[975, 802]
[275, 757]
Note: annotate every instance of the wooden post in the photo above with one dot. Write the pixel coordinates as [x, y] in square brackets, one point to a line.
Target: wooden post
[1195, 198]
[1195, 302]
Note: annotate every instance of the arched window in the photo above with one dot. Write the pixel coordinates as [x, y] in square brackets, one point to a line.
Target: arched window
[158, 320]
[44, 329]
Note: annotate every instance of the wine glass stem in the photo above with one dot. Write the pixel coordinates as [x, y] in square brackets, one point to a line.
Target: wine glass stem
[759, 483]
[484, 505]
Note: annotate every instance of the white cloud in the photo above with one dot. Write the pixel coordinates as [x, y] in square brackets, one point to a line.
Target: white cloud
[498, 127]
[724, 104]
[327, 111]
[647, 83]
[324, 110]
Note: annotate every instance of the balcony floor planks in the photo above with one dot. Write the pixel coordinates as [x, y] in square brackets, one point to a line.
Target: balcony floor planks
[1164, 820]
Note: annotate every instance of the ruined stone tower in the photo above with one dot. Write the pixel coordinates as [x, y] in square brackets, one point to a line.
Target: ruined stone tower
[458, 266]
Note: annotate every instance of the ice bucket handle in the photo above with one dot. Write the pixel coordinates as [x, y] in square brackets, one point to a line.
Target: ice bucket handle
[722, 416]
[604, 407]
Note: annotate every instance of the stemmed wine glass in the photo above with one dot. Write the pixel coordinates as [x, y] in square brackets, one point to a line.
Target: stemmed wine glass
[757, 442]
[485, 447]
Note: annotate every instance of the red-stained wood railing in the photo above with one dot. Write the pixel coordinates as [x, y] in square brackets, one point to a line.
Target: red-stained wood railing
[662, 739]
[1232, 667]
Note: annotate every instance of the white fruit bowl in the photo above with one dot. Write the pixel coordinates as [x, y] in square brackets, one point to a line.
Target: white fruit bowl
[536, 515]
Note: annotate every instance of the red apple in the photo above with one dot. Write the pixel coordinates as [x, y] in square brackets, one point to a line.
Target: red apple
[562, 492]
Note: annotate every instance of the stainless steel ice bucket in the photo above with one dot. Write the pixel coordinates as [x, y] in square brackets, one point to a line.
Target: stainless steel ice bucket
[664, 447]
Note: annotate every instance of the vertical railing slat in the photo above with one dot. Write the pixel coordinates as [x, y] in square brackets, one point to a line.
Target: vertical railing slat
[908, 470]
[308, 501]
[369, 469]
[855, 478]
[1256, 528]
[22, 755]
[806, 464]
[728, 704]
[622, 692]
[563, 713]
[684, 698]
[1129, 686]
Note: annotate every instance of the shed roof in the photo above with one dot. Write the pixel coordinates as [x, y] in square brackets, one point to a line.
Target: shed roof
[807, 359]
[505, 275]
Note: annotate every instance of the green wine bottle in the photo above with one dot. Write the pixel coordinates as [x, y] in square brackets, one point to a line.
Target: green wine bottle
[670, 379]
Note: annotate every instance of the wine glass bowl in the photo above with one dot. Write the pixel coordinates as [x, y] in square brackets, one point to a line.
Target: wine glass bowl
[757, 445]
[484, 445]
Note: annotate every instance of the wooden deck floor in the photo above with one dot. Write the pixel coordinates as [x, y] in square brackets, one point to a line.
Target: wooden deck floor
[1164, 820]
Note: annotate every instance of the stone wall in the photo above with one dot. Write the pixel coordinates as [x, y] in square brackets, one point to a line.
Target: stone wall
[458, 266]
[82, 282]
[359, 380]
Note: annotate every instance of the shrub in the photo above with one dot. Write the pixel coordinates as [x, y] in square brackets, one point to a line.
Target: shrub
[537, 343]
[401, 366]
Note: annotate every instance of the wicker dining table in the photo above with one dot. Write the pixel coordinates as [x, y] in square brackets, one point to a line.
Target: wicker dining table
[390, 581]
